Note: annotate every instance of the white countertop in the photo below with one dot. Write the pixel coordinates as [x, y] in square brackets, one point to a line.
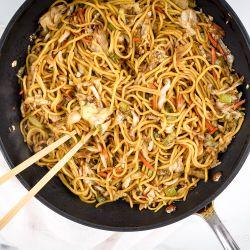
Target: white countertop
[37, 227]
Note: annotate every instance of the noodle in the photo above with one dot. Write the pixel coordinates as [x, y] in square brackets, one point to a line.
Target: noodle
[151, 81]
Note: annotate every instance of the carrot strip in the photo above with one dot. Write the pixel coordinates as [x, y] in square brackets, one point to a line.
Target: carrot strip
[155, 98]
[237, 105]
[155, 103]
[81, 14]
[213, 131]
[144, 161]
[103, 174]
[137, 39]
[211, 128]
[152, 86]
[216, 45]
[119, 170]
[86, 40]
[159, 9]
[213, 56]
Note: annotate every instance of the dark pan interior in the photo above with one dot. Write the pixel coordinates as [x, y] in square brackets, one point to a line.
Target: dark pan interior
[117, 216]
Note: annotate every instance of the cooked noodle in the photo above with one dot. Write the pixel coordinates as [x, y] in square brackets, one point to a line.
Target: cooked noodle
[154, 83]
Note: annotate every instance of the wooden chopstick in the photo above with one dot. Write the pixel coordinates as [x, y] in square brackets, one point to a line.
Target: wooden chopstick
[5, 220]
[34, 158]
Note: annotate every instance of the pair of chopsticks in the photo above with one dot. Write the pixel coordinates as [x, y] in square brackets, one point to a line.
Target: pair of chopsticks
[52, 172]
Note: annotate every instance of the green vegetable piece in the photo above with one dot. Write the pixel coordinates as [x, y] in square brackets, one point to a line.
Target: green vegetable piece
[124, 107]
[111, 27]
[169, 108]
[150, 173]
[169, 139]
[156, 135]
[147, 96]
[216, 133]
[115, 58]
[225, 98]
[170, 192]
[101, 199]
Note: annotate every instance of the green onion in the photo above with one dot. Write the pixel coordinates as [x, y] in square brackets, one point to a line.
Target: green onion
[101, 199]
[170, 192]
[169, 139]
[168, 108]
[192, 3]
[156, 135]
[147, 96]
[216, 133]
[225, 98]
[111, 27]
[124, 107]
[150, 173]
[95, 12]
[115, 58]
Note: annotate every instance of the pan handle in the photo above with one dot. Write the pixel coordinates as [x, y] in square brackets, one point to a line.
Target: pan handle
[210, 216]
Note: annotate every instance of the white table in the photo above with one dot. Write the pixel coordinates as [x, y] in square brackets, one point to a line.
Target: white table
[36, 227]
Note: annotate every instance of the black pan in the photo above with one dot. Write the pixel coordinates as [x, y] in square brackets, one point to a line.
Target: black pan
[116, 216]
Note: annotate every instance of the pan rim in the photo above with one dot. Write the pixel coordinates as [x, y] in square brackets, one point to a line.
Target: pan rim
[239, 162]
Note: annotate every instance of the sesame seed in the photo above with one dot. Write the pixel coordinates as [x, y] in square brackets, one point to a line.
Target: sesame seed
[14, 64]
[12, 128]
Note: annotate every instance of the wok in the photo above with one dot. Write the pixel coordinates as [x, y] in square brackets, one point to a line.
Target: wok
[114, 216]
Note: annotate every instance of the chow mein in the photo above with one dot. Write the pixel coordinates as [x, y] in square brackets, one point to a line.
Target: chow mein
[152, 80]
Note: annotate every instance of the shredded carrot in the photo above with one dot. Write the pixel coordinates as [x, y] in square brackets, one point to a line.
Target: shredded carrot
[213, 131]
[183, 145]
[103, 174]
[179, 101]
[137, 39]
[155, 98]
[213, 56]
[211, 128]
[159, 9]
[144, 161]
[105, 152]
[86, 40]
[155, 103]
[119, 170]
[152, 86]
[238, 104]
[216, 45]
[81, 14]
